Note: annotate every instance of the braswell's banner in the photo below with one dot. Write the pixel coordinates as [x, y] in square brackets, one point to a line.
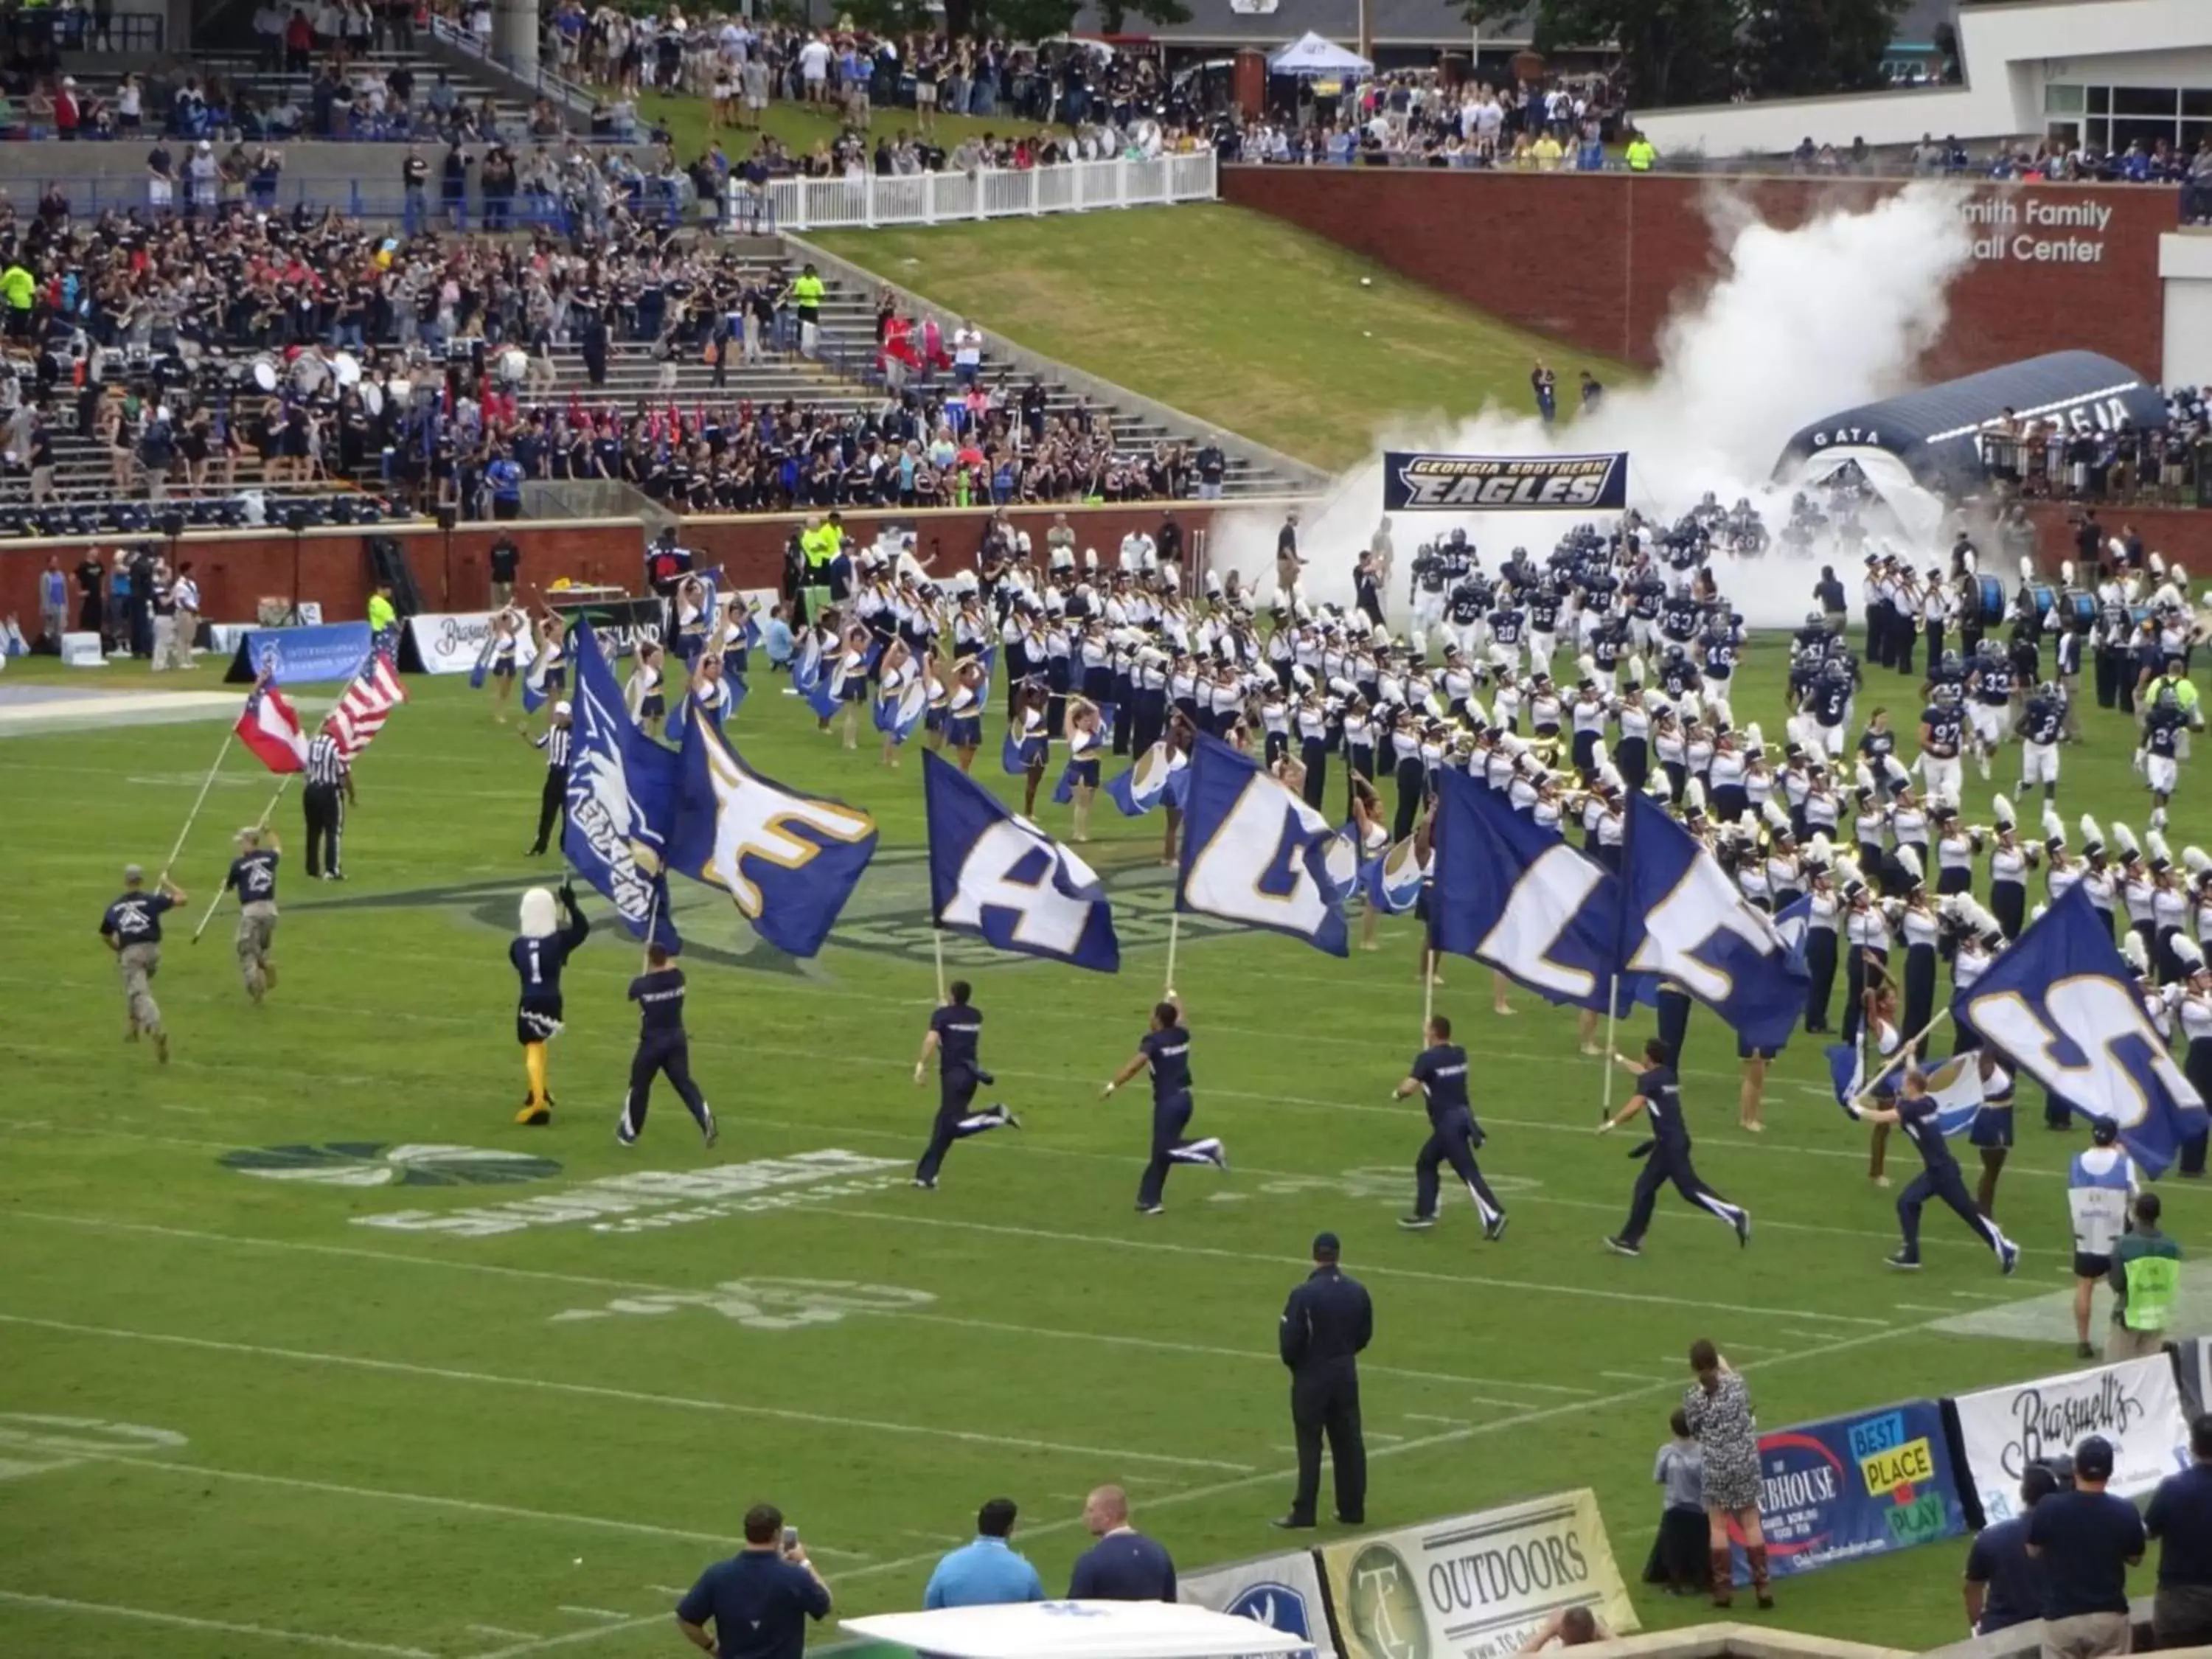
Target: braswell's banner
[1282, 1592]
[1475, 1586]
[1504, 483]
[453, 642]
[2135, 1405]
[1854, 1486]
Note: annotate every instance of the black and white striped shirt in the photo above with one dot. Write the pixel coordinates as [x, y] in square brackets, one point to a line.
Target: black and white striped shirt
[326, 764]
[555, 743]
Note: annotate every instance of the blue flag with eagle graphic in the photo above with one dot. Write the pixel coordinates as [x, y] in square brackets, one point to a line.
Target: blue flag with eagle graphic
[621, 799]
[996, 875]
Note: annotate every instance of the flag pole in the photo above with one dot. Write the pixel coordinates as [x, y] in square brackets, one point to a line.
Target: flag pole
[1612, 1013]
[1906, 1050]
[206, 784]
[936, 948]
[1174, 933]
[282, 784]
[1428, 986]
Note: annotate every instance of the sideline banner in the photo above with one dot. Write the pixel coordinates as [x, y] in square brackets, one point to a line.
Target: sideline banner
[2196, 1357]
[293, 656]
[453, 642]
[1854, 1486]
[1282, 1592]
[2135, 1405]
[621, 624]
[1414, 483]
[1475, 1586]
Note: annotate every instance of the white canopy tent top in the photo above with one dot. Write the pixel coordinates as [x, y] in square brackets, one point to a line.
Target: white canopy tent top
[1311, 55]
[1079, 1630]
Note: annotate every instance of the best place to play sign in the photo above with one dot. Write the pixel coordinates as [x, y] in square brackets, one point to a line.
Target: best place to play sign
[1854, 1486]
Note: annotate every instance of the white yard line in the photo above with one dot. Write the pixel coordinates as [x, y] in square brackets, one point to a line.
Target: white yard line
[587, 1390]
[605, 1615]
[180, 1621]
[1627, 1377]
[459, 1264]
[502, 1632]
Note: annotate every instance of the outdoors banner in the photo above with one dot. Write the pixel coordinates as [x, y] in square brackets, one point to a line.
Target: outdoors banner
[1475, 1586]
[1282, 1592]
[1513, 483]
[1853, 1487]
[453, 642]
[292, 656]
[2135, 1405]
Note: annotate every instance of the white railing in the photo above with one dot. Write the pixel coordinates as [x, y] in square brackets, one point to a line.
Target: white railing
[931, 199]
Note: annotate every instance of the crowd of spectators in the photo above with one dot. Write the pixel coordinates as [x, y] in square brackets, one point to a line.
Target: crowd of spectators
[2051, 460]
[1416, 119]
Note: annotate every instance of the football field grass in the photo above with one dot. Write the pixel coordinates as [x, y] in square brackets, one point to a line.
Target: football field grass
[305, 1347]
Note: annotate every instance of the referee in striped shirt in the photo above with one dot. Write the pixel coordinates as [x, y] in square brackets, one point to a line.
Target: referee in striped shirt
[328, 793]
[554, 740]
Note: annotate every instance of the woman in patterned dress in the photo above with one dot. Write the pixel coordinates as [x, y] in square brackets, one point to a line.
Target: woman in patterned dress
[1719, 1412]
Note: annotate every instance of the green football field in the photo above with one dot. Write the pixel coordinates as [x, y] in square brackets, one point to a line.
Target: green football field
[282, 1369]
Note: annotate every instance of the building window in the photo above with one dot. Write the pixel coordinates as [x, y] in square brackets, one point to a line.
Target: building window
[2100, 101]
[2062, 101]
[2146, 101]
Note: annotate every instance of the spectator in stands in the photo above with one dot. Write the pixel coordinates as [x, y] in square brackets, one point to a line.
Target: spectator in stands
[299, 42]
[2086, 1538]
[1569, 1627]
[2180, 1518]
[987, 1572]
[760, 1600]
[1123, 1565]
[2004, 1581]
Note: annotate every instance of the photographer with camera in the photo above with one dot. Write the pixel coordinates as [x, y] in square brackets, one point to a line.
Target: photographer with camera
[759, 1600]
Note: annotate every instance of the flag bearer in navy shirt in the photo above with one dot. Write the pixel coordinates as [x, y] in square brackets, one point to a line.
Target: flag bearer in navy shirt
[1440, 1073]
[760, 1599]
[956, 1032]
[662, 1049]
[132, 929]
[1916, 1114]
[539, 952]
[2180, 1518]
[253, 878]
[1166, 1050]
[1667, 1154]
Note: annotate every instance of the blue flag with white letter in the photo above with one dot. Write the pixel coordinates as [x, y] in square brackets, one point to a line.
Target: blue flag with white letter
[2061, 1004]
[789, 861]
[1514, 894]
[1146, 784]
[621, 800]
[1254, 852]
[993, 874]
[1391, 880]
[1682, 918]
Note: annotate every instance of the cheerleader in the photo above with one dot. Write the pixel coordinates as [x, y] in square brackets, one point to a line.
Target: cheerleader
[850, 680]
[963, 710]
[692, 620]
[1030, 738]
[1886, 1040]
[539, 952]
[2192, 1013]
[642, 692]
[709, 693]
[552, 668]
[1373, 837]
[1086, 741]
[507, 630]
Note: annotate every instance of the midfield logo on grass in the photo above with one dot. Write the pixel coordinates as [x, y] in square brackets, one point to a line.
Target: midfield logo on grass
[373, 1163]
[889, 913]
[651, 1199]
[769, 1304]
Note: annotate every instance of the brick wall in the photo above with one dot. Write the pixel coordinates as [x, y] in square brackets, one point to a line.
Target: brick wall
[1600, 260]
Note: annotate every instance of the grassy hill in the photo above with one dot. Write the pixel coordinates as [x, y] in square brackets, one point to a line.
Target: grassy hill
[1228, 314]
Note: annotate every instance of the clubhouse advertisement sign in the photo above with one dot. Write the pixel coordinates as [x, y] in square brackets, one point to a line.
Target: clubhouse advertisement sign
[2135, 1405]
[1475, 1586]
[1855, 1486]
[1282, 1592]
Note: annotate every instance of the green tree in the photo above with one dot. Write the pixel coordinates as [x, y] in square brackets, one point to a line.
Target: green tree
[1811, 48]
[1676, 52]
[1020, 20]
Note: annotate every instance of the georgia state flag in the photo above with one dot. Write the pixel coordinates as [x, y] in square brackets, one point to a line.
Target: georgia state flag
[270, 727]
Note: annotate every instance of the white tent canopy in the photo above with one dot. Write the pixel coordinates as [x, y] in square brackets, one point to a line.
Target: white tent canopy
[1311, 55]
[1079, 1630]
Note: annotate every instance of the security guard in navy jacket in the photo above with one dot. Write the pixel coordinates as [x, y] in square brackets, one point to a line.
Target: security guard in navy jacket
[1327, 1322]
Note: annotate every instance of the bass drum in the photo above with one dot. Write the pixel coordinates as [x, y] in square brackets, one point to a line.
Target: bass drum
[2082, 608]
[2038, 601]
[1992, 598]
[265, 372]
[372, 398]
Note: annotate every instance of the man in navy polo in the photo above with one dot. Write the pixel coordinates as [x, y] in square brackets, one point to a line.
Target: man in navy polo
[759, 1600]
[987, 1572]
[2180, 1518]
[1123, 1565]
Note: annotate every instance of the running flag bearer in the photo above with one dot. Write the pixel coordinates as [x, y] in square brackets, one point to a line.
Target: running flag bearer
[1667, 1154]
[954, 1037]
[1166, 1048]
[1440, 1073]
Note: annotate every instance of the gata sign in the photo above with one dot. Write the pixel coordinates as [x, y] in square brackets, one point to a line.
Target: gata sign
[1474, 484]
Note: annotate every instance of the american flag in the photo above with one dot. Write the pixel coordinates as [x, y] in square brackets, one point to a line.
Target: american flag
[367, 703]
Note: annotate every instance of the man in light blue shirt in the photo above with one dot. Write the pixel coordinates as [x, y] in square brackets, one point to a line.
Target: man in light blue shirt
[987, 1572]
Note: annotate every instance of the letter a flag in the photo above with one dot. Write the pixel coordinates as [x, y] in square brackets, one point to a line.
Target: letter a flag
[367, 703]
[993, 874]
[1514, 894]
[1254, 852]
[271, 728]
[621, 800]
[1683, 919]
[789, 861]
[2062, 1004]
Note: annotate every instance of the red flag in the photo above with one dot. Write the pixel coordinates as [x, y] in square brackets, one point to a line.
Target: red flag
[367, 703]
[271, 728]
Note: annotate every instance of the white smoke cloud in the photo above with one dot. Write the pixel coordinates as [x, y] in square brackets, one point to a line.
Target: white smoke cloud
[1799, 323]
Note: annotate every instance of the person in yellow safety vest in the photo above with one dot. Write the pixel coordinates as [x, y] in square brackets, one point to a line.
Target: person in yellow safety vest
[1643, 155]
[2145, 1274]
[18, 288]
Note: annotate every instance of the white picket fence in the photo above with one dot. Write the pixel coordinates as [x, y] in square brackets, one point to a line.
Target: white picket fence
[931, 199]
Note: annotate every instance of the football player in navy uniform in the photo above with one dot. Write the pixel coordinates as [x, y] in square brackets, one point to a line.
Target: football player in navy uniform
[1916, 1114]
[2164, 723]
[1667, 1154]
[2042, 728]
[539, 952]
[1165, 1049]
[1942, 739]
[954, 1037]
[1440, 1073]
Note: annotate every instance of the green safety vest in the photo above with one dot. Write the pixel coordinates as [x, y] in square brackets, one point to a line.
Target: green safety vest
[1641, 156]
[2152, 1281]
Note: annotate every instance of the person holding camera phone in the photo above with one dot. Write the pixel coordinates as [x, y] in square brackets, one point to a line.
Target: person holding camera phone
[759, 1600]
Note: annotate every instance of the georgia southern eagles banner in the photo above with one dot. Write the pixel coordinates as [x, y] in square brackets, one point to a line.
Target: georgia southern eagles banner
[1475, 484]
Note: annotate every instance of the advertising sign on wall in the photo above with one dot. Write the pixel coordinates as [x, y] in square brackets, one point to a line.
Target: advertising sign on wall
[1282, 1592]
[1854, 1486]
[2135, 1405]
[453, 642]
